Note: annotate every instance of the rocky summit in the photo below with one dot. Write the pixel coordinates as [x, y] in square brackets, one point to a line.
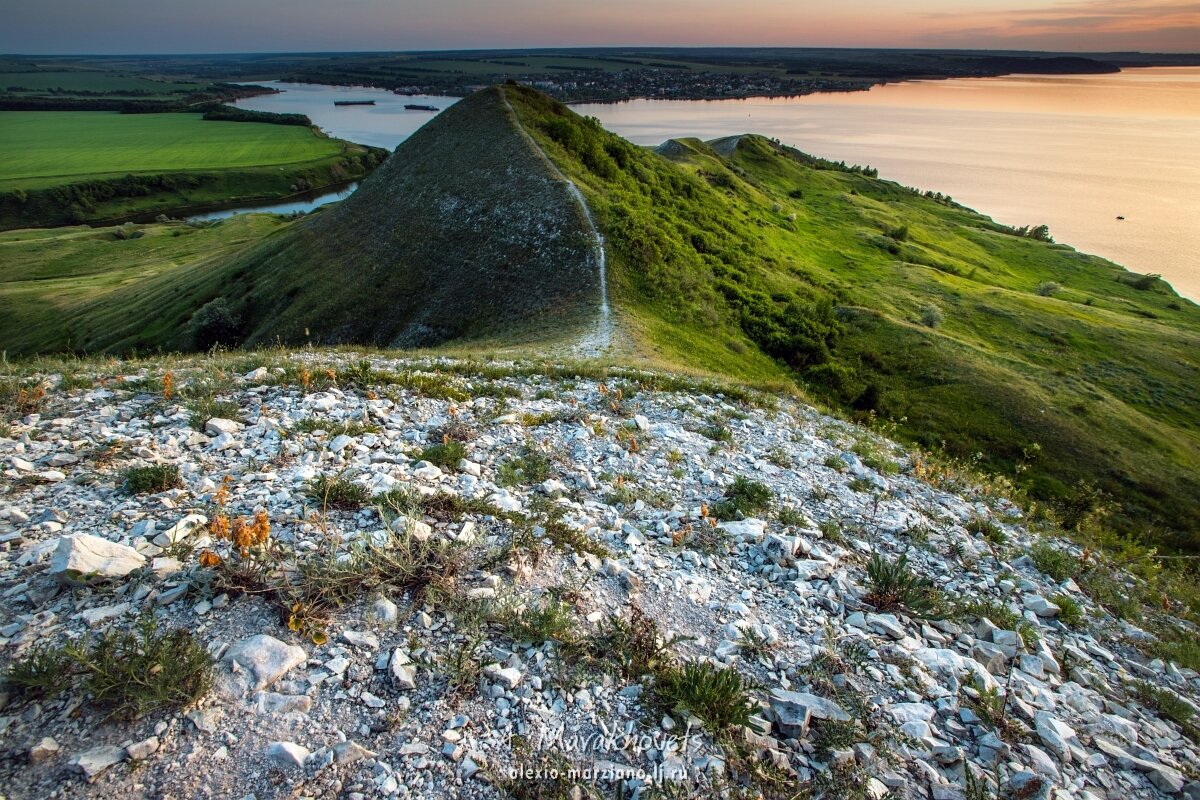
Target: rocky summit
[320, 574]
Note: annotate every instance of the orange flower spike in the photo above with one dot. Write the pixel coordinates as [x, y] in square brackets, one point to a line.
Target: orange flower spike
[219, 527]
[168, 385]
[208, 558]
[704, 510]
[262, 526]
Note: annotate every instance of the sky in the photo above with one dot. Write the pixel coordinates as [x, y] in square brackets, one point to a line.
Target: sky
[238, 26]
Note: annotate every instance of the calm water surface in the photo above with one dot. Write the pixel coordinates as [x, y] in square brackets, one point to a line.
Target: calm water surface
[1073, 152]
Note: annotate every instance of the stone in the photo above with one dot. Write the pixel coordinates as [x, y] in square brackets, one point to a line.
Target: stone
[350, 751]
[360, 639]
[404, 674]
[273, 703]
[1040, 606]
[794, 710]
[142, 750]
[257, 662]
[384, 611]
[217, 425]
[287, 755]
[92, 762]
[83, 559]
[45, 749]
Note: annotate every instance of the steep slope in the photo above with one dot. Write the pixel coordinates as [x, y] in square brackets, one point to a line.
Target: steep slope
[466, 231]
[1061, 369]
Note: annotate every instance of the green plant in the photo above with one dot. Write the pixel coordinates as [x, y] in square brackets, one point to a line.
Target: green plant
[893, 585]
[718, 432]
[791, 516]
[931, 316]
[779, 456]
[205, 408]
[718, 696]
[337, 492]
[987, 528]
[1058, 564]
[155, 478]
[128, 673]
[1048, 288]
[1070, 611]
[334, 428]
[633, 647]
[446, 455]
[1167, 704]
[530, 468]
[861, 484]
[548, 619]
[991, 706]
[743, 498]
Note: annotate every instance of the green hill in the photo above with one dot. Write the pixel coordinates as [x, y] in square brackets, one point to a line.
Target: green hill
[737, 257]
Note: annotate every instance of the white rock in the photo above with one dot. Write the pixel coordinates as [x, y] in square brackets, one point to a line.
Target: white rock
[218, 425]
[287, 755]
[92, 762]
[87, 559]
[259, 661]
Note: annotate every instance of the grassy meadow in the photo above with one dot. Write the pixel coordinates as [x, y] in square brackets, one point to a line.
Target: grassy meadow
[47, 148]
[69, 167]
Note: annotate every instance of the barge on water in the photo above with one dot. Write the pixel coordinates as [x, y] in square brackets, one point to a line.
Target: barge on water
[415, 107]
[354, 102]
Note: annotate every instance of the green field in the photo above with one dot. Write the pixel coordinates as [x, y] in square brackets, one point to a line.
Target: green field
[48, 148]
[115, 83]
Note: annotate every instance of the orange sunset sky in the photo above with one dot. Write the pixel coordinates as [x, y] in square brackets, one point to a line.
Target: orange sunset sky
[148, 26]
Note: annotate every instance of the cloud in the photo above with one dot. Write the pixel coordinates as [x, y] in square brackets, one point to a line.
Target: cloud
[1079, 25]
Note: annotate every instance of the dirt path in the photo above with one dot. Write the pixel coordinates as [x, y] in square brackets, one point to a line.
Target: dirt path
[598, 340]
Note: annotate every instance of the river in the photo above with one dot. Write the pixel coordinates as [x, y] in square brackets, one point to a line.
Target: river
[1074, 152]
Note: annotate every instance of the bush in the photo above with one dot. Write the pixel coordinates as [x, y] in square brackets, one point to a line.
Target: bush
[337, 492]
[526, 469]
[743, 498]
[445, 455]
[156, 478]
[129, 673]
[718, 696]
[213, 324]
[894, 586]
[1048, 288]
[931, 316]
[1070, 612]
[1058, 564]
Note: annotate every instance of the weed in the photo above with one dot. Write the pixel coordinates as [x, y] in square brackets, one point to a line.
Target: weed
[835, 463]
[446, 455]
[1167, 704]
[549, 620]
[454, 431]
[335, 428]
[1058, 564]
[635, 646]
[791, 516]
[717, 432]
[155, 478]
[530, 468]
[337, 492]
[718, 696]
[894, 585]
[779, 457]
[861, 485]
[998, 614]
[831, 529]
[743, 498]
[991, 706]
[988, 529]
[1070, 611]
[128, 673]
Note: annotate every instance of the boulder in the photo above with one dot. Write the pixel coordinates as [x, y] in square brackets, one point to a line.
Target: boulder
[84, 559]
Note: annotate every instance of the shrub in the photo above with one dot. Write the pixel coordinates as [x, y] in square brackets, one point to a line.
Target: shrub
[718, 696]
[894, 586]
[743, 498]
[156, 478]
[525, 469]
[337, 492]
[1070, 612]
[988, 529]
[129, 673]
[1058, 564]
[931, 316]
[214, 324]
[1048, 288]
[445, 455]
